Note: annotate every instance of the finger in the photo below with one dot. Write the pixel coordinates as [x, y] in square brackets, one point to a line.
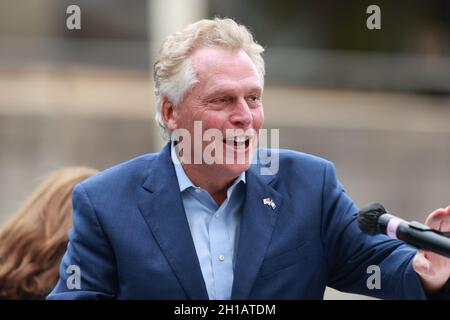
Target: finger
[447, 210]
[437, 217]
[445, 225]
[421, 264]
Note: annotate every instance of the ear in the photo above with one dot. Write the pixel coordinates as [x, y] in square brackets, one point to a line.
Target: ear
[169, 114]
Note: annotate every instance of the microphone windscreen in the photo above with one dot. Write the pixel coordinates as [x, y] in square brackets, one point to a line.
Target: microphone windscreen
[368, 218]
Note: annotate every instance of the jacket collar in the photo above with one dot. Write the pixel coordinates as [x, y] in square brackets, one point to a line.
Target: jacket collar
[261, 208]
[161, 206]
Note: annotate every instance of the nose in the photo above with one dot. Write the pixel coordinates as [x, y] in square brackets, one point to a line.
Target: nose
[241, 115]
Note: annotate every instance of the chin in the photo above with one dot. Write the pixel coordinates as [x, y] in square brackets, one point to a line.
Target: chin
[233, 170]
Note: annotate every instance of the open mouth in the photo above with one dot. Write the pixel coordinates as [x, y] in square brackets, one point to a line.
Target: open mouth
[238, 142]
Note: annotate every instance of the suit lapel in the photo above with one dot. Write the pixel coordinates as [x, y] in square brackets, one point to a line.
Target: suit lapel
[161, 206]
[257, 224]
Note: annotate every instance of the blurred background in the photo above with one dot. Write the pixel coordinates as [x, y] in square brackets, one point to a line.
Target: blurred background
[375, 102]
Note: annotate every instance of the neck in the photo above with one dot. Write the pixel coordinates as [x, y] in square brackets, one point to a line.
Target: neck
[216, 186]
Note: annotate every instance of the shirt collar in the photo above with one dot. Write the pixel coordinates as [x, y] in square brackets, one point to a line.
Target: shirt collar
[183, 180]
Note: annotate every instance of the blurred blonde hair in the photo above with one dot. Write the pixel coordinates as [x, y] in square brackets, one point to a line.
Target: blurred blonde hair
[34, 240]
[172, 70]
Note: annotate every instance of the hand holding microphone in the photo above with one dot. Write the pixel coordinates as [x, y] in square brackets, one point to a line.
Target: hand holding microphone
[374, 219]
[433, 264]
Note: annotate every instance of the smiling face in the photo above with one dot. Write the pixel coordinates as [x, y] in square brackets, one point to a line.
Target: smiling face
[227, 97]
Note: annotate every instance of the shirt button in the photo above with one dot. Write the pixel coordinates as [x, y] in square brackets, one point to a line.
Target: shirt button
[221, 258]
[216, 215]
[198, 189]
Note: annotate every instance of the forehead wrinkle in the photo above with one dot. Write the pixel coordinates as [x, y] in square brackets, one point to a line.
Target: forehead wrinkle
[233, 89]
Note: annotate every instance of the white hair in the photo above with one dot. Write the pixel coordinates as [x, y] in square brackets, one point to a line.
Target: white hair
[173, 73]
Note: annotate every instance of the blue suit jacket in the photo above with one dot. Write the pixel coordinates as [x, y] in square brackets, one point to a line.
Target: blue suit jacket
[131, 238]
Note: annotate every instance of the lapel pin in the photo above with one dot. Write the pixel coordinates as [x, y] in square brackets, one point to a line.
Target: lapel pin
[269, 202]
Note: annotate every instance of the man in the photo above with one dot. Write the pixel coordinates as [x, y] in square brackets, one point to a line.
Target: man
[173, 226]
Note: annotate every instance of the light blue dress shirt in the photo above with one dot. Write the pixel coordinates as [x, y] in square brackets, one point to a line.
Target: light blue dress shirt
[214, 229]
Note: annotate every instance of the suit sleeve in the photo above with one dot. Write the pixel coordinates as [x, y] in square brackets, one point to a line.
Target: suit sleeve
[87, 269]
[355, 258]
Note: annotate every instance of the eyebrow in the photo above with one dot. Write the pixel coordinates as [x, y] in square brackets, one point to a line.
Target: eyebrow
[230, 91]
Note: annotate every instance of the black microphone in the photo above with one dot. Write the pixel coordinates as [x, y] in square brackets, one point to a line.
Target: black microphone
[374, 219]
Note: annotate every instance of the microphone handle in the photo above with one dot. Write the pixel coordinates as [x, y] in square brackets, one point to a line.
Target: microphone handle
[425, 240]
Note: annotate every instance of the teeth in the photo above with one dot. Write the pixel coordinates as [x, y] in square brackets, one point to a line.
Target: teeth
[240, 139]
[237, 139]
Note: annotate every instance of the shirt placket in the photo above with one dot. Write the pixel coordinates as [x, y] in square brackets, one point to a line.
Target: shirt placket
[221, 254]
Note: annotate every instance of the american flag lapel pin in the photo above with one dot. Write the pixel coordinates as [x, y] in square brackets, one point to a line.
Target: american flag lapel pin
[270, 203]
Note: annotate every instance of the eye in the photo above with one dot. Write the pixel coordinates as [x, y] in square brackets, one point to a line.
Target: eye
[219, 101]
[253, 99]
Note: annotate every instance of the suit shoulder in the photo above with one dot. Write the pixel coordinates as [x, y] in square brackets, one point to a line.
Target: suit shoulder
[297, 157]
[121, 173]
[290, 158]
[289, 164]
